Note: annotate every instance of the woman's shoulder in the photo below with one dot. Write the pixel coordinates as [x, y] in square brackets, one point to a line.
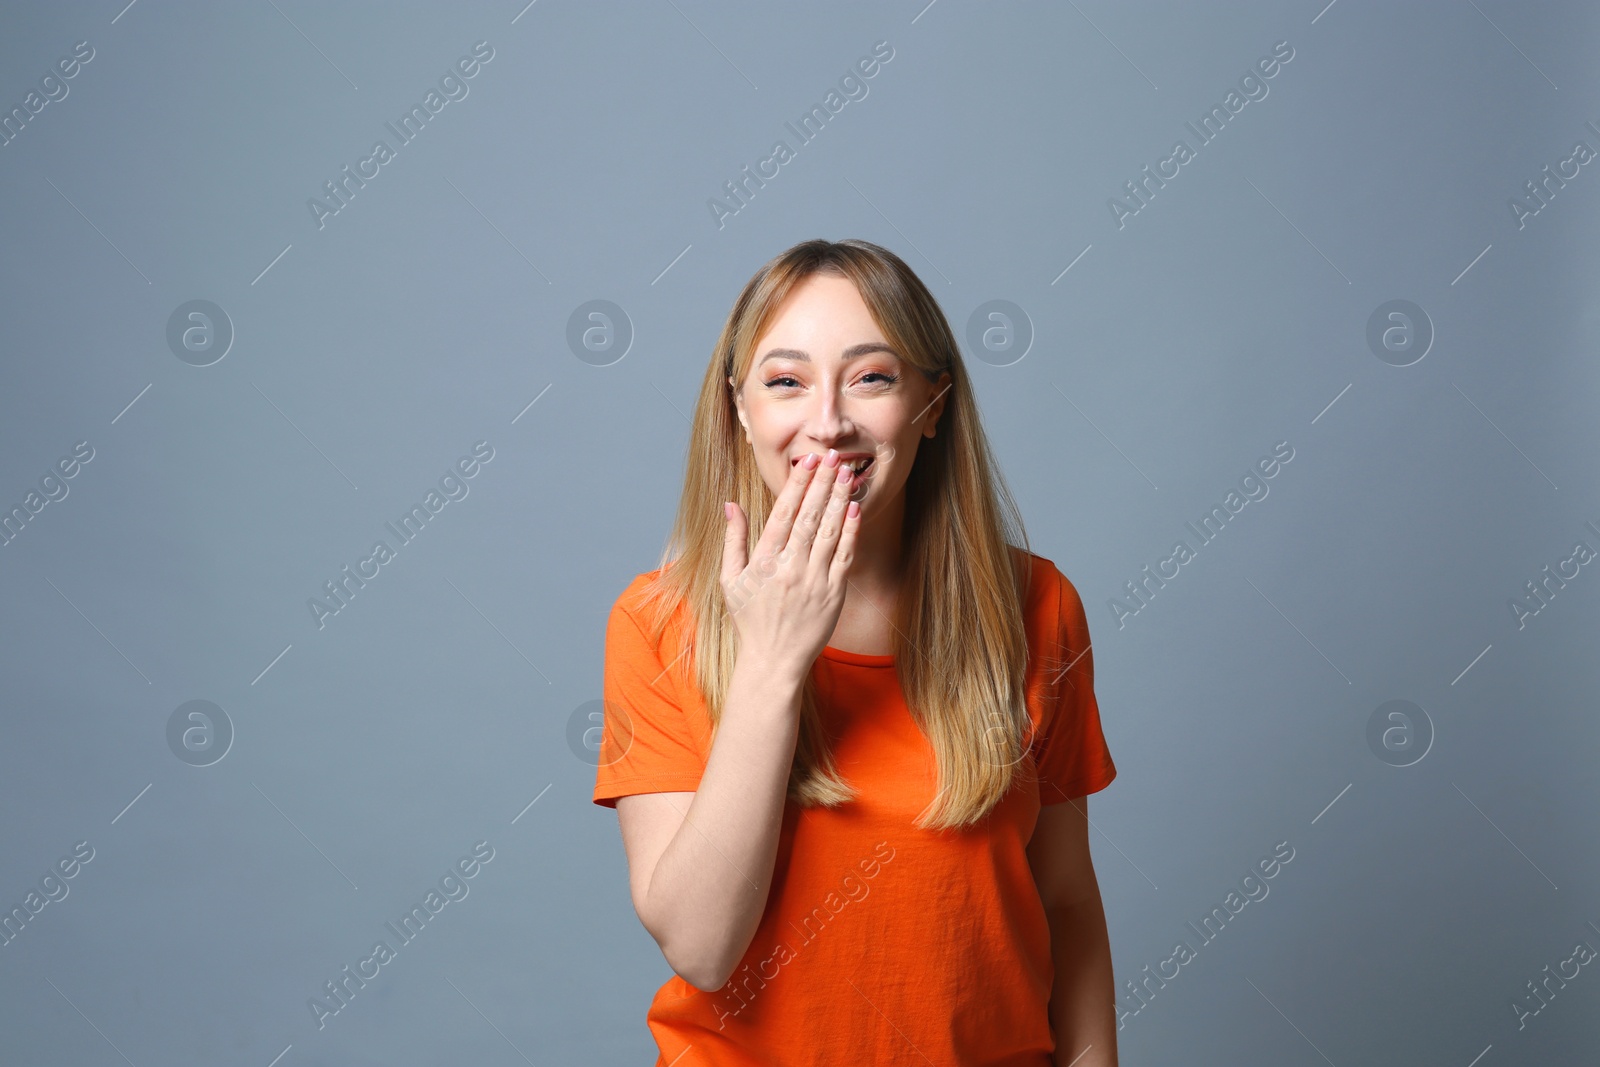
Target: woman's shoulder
[636, 592]
[644, 598]
[1046, 582]
[647, 586]
[1053, 612]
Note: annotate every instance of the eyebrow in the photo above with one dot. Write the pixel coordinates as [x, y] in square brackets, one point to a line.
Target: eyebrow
[850, 353]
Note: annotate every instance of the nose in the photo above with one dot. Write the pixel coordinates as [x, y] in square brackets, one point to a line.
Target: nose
[828, 423]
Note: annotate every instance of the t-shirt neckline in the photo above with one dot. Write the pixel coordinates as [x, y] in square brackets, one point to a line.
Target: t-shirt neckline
[860, 659]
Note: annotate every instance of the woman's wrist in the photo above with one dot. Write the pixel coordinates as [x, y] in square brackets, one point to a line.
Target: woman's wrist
[774, 682]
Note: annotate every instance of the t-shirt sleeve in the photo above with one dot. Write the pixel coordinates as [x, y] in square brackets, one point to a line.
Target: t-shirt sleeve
[647, 744]
[1073, 759]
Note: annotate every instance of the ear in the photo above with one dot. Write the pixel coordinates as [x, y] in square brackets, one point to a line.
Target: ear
[738, 405]
[941, 392]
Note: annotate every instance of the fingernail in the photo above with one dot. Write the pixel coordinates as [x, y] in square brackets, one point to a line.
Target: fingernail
[811, 461]
[833, 456]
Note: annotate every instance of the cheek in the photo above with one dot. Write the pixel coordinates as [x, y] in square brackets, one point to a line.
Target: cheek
[905, 456]
[775, 469]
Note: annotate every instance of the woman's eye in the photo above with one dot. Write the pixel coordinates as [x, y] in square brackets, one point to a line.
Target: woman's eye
[785, 381]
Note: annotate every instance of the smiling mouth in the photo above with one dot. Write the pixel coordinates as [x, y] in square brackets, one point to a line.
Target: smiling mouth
[863, 466]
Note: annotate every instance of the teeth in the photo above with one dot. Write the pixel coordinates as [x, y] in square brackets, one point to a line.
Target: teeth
[857, 465]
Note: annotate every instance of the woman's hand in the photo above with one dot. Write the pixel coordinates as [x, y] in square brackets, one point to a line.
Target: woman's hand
[786, 601]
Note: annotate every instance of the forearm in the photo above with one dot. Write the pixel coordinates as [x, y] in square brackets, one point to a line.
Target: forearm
[710, 886]
[1083, 997]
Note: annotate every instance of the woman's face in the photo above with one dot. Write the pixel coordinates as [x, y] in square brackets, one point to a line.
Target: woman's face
[823, 376]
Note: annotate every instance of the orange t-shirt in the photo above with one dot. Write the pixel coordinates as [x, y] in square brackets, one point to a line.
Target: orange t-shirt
[881, 943]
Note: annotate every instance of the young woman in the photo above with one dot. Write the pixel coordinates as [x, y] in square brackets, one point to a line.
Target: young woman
[850, 726]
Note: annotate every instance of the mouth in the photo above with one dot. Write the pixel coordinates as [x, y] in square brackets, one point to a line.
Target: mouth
[862, 464]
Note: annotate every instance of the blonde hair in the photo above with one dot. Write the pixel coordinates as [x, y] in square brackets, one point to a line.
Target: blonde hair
[959, 642]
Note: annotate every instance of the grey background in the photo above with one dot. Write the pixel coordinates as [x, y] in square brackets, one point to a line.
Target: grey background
[437, 708]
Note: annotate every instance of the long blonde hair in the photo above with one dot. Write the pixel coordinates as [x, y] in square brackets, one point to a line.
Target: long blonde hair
[959, 642]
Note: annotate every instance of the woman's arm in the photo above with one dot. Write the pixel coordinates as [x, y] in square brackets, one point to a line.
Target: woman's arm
[701, 882]
[701, 876]
[1083, 995]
